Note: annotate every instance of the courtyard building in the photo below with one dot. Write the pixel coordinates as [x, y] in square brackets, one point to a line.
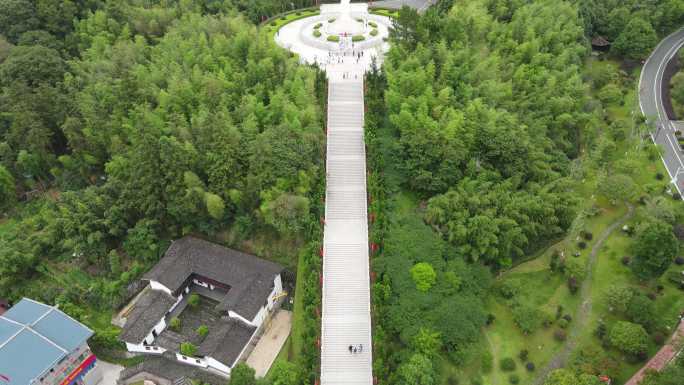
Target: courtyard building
[234, 293]
[40, 345]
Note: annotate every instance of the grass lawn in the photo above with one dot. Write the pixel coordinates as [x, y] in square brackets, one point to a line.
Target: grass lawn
[545, 290]
[385, 12]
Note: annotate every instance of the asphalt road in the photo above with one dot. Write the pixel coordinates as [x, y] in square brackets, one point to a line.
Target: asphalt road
[420, 5]
[651, 102]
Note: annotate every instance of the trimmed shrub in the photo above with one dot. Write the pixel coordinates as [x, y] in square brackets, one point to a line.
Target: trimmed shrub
[523, 355]
[513, 379]
[490, 318]
[626, 260]
[331, 20]
[317, 26]
[563, 323]
[660, 176]
[373, 24]
[658, 338]
[559, 311]
[175, 324]
[202, 331]
[587, 235]
[334, 38]
[679, 261]
[374, 32]
[507, 364]
[582, 245]
[676, 196]
[601, 330]
[193, 300]
[573, 286]
[530, 367]
[567, 317]
[560, 335]
[273, 23]
[188, 349]
[316, 33]
[358, 38]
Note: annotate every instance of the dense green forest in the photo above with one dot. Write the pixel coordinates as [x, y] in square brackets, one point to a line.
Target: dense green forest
[502, 152]
[491, 138]
[125, 124]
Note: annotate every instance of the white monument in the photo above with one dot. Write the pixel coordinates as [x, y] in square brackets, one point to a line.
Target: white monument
[344, 24]
[343, 38]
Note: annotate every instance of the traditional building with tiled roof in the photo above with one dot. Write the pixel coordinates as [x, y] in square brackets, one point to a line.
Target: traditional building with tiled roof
[239, 291]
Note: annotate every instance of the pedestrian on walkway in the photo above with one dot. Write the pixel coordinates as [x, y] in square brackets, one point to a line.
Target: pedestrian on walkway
[360, 348]
[350, 348]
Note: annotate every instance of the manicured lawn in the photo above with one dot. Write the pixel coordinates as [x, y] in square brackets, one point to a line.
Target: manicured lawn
[546, 290]
[274, 25]
[385, 12]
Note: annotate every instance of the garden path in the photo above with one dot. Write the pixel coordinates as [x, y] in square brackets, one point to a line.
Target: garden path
[582, 317]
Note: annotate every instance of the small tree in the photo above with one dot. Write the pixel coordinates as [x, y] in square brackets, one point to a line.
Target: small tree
[175, 324]
[423, 275]
[628, 337]
[636, 39]
[193, 300]
[654, 249]
[507, 364]
[242, 374]
[7, 189]
[618, 297]
[202, 331]
[188, 349]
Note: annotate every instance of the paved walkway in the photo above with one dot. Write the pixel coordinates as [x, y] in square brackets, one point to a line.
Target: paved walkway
[346, 287]
[110, 372]
[270, 343]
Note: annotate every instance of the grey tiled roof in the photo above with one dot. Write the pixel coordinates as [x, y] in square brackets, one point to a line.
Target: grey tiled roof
[226, 343]
[150, 308]
[166, 366]
[250, 278]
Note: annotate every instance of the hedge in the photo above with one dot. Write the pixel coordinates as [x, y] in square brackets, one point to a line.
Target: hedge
[334, 38]
[358, 38]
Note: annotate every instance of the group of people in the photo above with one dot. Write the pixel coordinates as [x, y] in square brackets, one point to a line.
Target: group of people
[356, 348]
[338, 57]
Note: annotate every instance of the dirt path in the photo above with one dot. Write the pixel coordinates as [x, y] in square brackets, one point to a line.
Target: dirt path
[495, 356]
[561, 358]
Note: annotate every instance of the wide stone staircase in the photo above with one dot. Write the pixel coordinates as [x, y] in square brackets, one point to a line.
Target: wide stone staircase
[346, 288]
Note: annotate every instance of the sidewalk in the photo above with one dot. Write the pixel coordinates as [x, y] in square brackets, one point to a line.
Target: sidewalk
[270, 343]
